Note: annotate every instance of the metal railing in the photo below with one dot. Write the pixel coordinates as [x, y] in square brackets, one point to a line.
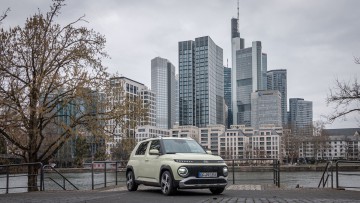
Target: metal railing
[112, 166]
[338, 172]
[64, 179]
[247, 162]
[12, 171]
[328, 172]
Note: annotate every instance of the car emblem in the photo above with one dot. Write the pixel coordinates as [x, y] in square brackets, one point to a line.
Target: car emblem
[206, 161]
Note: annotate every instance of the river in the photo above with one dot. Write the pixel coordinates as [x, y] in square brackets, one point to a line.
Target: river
[83, 180]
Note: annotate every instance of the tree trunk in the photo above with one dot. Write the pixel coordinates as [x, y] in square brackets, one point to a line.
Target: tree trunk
[33, 178]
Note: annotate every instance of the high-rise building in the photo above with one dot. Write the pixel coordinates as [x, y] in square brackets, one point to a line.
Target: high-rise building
[163, 84]
[276, 80]
[201, 83]
[249, 77]
[227, 95]
[249, 67]
[237, 43]
[123, 88]
[177, 99]
[301, 116]
[265, 108]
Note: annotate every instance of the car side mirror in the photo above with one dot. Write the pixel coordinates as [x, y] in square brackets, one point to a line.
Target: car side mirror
[154, 152]
[208, 152]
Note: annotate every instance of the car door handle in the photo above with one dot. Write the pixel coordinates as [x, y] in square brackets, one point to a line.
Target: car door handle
[146, 159]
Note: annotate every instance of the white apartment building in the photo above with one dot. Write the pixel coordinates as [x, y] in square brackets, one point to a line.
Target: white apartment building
[266, 144]
[335, 144]
[234, 144]
[209, 137]
[123, 88]
[241, 142]
[185, 131]
[148, 131]
[149, 98]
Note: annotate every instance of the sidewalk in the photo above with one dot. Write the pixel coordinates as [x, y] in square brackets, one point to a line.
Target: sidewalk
[234, 193]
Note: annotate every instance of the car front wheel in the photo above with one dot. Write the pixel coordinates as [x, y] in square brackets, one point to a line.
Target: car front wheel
[217, 190]
[167, 187]
[130, 181]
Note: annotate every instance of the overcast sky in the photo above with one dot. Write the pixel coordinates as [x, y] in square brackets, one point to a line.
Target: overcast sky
[314, 40]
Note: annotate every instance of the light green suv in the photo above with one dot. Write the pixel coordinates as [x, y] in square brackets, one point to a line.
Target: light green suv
[175, 163]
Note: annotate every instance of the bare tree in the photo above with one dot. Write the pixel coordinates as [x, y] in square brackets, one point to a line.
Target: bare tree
[345, 96]
[123, 149]
[4, 15]
[291, 144]
[320, 140]
[51, 82]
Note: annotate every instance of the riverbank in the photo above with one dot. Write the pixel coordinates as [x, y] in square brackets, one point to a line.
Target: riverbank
[293, 168]
[287, 168]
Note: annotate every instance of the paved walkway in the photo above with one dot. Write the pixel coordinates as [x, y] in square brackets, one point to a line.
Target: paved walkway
[234, 193]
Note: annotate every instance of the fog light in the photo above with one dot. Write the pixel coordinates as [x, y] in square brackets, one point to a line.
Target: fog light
[183, 172]
[225, 171]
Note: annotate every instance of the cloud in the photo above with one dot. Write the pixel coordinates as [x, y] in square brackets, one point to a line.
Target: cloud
[314, 40]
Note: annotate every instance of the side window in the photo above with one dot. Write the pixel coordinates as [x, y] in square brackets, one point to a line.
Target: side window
[155, 144]
[141, 149]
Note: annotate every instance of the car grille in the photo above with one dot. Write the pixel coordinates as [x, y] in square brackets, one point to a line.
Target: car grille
[204, 181]
[194, 170]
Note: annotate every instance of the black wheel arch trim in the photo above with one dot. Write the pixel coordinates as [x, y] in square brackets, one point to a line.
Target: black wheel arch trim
[168, 168]
[130, 168]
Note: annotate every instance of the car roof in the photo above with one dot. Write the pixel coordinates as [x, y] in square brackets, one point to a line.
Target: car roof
[167, 138]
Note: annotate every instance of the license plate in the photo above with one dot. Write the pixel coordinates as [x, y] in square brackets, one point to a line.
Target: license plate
[207, 174]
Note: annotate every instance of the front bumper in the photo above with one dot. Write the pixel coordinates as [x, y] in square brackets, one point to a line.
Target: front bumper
[194, 182]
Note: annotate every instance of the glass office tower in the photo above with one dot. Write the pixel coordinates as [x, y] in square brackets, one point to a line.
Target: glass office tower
[163, 83]
[227, 94]
[201, 83]
[276, 80]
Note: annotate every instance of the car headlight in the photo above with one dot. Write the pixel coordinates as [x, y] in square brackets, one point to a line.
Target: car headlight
[225, 171]
[183, 171]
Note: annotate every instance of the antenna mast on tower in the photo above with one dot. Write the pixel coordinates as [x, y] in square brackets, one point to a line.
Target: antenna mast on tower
[238, 9]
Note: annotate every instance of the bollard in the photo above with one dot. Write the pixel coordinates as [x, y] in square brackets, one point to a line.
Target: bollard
[233, 170]
[105, 174]
[116, 173]
[92, 175]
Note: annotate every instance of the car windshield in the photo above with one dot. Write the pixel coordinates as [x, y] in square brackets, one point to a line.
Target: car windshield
[182, 146]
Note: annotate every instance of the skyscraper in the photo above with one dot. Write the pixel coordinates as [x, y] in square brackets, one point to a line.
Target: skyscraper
[249, 66]
[163, 84]
[201, 83]
[265, 108]
[237, 43]
[249, 77]
[301, 116]
[227, 94]
[177, 99]
[276, 80]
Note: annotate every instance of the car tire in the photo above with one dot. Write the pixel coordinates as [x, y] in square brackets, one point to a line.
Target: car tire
[130, 181]
[166, 183]
[217, 190]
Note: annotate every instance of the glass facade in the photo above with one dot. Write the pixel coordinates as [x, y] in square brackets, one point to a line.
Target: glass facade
[201, 84]
[276, 80]
[265, 108]
[301, 116]
[251, 65]
[227, 94]
[163, 84]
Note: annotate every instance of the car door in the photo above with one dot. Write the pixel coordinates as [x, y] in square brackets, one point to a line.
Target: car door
[153, 162]
[140, 156]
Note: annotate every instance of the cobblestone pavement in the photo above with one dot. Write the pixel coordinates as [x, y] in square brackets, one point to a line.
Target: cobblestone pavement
[273, 200]
[233, 194]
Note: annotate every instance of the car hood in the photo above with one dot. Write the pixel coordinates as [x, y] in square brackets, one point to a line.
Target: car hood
[195, 156]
